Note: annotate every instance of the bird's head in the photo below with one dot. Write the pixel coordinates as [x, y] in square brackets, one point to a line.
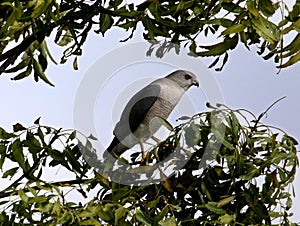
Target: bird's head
[184, 79]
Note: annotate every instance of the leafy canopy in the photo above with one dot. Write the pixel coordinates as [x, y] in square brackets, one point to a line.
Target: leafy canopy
[271, 26]
[244, 183]
[248, 170]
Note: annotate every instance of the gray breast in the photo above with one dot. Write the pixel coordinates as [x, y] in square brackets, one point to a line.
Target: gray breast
[161, 109]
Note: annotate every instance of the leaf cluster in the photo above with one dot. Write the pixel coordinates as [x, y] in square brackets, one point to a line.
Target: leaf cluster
[25, 26]
[236, 173]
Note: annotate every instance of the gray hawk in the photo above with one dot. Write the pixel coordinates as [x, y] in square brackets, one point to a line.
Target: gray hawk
[142, 115]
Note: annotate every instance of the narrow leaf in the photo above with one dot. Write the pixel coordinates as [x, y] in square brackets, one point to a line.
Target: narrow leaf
[10, 172]
[141, 217]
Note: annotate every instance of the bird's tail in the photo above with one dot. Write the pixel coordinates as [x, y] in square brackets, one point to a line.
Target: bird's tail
[116, 148]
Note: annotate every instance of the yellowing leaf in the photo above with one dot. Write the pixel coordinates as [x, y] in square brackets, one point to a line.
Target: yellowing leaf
[226, 219]
[40, 7]
[252, 8]
[266, 29]
[166, 182]
[225, 201]
[23, 196]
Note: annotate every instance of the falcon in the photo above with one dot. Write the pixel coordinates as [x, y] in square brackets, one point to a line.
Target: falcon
[144, 113]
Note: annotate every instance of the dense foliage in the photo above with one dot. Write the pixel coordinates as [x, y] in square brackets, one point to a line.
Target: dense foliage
[26, 25]
[244, 181]
[232, 170]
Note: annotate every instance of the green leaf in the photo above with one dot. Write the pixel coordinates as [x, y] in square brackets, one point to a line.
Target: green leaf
[32, 190]
[165, 123]
[40, 73]
[2, 154]
[33, 144]
[252, 7]
[37, 121]
[14, 15]
[166, 182]
[120, 213]
[23, 74]
[168, 222]
[162, 214]
[227, 219]
[72, 136]
[73, 161]
[267, 7]
[295, 25]
[289, 203]
[192, 135]
[75, 64]
[235, 125]
[91, 222]
[220, 48]
[115, 3]
[153, 203]
[18, 127]
[250, 174]
[66, 37]
[57, 155]
[91, 211]
[44, 208]
[39, 199]
[5, 135]
[266, 29]
[92, 137]
[10, 172]
[212, 206]
[43, 61]
[19, 66]
[105, 215]
[106, 21]
[40, 8]
[46, 52]
[64, 218]
[234, 29]
[205, 190]
[294, 59]
[23, 196]
[178, 208]
[153, 29]
[128, 24]
[143, 218]
[44, 186]
[225, 201]
[17, 153]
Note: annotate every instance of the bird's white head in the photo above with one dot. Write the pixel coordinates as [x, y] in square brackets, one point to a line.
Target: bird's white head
[184, 79]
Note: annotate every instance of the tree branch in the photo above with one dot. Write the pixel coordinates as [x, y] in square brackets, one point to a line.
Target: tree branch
[59, 183]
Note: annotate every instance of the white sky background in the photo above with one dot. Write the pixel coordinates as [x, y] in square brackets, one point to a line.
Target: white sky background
[246, 81]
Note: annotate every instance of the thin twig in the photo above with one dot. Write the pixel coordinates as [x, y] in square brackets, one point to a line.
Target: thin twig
[265, 112]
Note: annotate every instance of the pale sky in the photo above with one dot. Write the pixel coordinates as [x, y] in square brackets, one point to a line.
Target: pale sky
[246, 81]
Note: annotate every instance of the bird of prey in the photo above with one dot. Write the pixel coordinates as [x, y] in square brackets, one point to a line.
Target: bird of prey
[143, 114]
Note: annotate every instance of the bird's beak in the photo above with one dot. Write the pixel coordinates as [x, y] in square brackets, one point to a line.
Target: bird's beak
[195, 83]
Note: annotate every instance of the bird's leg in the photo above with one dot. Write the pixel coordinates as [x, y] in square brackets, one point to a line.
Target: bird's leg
[158, 141]
[142, 151]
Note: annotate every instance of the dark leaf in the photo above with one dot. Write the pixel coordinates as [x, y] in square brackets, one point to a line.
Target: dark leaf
[5, 135]
[37, 121]
[18, 127]
[11, 172]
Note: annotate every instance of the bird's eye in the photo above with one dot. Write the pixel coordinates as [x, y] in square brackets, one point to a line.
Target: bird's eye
[187, 77]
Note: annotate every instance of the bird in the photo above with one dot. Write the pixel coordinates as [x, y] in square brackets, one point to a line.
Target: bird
[144, 113]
